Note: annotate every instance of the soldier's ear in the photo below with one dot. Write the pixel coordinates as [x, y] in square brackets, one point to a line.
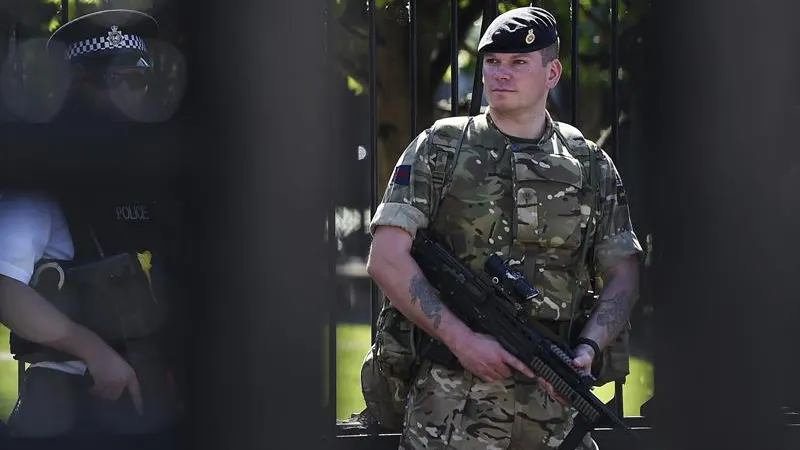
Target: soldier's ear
[554, 73]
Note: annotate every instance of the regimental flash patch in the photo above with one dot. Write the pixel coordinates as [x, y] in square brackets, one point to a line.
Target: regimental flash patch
[402, 175]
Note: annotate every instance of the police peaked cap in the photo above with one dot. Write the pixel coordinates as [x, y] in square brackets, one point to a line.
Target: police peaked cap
[520, 30]
[112, 37]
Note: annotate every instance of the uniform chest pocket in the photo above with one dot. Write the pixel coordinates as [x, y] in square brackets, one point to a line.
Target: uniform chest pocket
[549, 201]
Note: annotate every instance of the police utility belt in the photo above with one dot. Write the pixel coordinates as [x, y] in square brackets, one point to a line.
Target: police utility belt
[112, 297]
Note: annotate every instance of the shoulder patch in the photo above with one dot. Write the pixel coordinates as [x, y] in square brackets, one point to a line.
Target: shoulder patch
[622, 195]
[402, 175]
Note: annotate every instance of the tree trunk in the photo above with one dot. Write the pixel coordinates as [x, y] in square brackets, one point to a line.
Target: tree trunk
[395, 130]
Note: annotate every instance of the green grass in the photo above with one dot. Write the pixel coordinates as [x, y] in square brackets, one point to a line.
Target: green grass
[638, 388]
[8, 378]
[353, 342]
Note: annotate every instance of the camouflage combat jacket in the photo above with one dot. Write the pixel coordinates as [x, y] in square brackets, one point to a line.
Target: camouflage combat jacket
[482, 192]
[529, 201]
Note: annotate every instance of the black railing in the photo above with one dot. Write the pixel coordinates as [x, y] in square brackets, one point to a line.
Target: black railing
[373, 140]
[353, 438]
[574, 63]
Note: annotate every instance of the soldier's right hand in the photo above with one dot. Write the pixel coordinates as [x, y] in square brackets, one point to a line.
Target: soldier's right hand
[484, 357]
[112, 375]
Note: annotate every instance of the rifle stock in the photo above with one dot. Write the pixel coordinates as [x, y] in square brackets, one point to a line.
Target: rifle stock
[498, 306]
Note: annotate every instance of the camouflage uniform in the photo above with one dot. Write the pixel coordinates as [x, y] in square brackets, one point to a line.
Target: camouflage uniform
[528, 202]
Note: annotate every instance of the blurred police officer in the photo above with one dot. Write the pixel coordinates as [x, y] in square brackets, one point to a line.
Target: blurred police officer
[87, 275]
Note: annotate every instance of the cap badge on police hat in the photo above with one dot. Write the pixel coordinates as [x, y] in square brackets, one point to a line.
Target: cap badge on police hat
[114, 36]
[530, 37]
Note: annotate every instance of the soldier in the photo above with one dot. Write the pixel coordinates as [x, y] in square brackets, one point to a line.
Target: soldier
[516, 183]
[87, 277]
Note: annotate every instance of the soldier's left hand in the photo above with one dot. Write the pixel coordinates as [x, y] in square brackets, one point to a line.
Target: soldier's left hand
[583, 358]
[582, 361]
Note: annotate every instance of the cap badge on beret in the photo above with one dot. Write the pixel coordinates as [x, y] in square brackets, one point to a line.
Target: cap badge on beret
[114, 36]
[530, 37]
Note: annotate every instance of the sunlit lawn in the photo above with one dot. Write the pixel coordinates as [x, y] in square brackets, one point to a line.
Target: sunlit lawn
[353, 342]
[8, 377]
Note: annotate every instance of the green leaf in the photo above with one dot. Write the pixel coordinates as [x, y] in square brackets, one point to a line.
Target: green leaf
[55, 22]
[354, 85]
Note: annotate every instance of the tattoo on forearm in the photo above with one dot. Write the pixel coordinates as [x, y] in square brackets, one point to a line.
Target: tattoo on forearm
[612, 312]
[421, 291]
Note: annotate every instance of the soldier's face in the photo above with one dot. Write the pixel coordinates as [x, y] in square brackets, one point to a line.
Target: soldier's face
[518, 82]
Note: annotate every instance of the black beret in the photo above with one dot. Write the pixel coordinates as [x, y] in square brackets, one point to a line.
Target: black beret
[520, 30]
[112, 37]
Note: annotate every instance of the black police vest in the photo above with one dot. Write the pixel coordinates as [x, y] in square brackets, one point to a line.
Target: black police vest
[115, 284]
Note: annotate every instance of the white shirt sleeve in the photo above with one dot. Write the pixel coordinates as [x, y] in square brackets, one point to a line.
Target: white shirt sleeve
[26, 221]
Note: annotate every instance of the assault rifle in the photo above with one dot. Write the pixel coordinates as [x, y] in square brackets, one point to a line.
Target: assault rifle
[499, 307]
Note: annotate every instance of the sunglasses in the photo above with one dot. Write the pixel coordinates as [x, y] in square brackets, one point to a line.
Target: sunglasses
[134, 80]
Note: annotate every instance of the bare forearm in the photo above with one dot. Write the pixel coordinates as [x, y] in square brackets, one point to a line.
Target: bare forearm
[32, 317]
[402, 281]
[620, 293]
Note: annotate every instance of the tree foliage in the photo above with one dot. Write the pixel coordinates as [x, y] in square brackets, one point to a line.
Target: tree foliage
[351, 32]
[350, 21]
[42, 17]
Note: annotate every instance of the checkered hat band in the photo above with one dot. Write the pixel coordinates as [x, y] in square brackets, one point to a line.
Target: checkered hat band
[99, 44]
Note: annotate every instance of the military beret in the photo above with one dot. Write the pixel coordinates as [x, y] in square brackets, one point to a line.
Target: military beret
[112, 37]
[520, 30]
